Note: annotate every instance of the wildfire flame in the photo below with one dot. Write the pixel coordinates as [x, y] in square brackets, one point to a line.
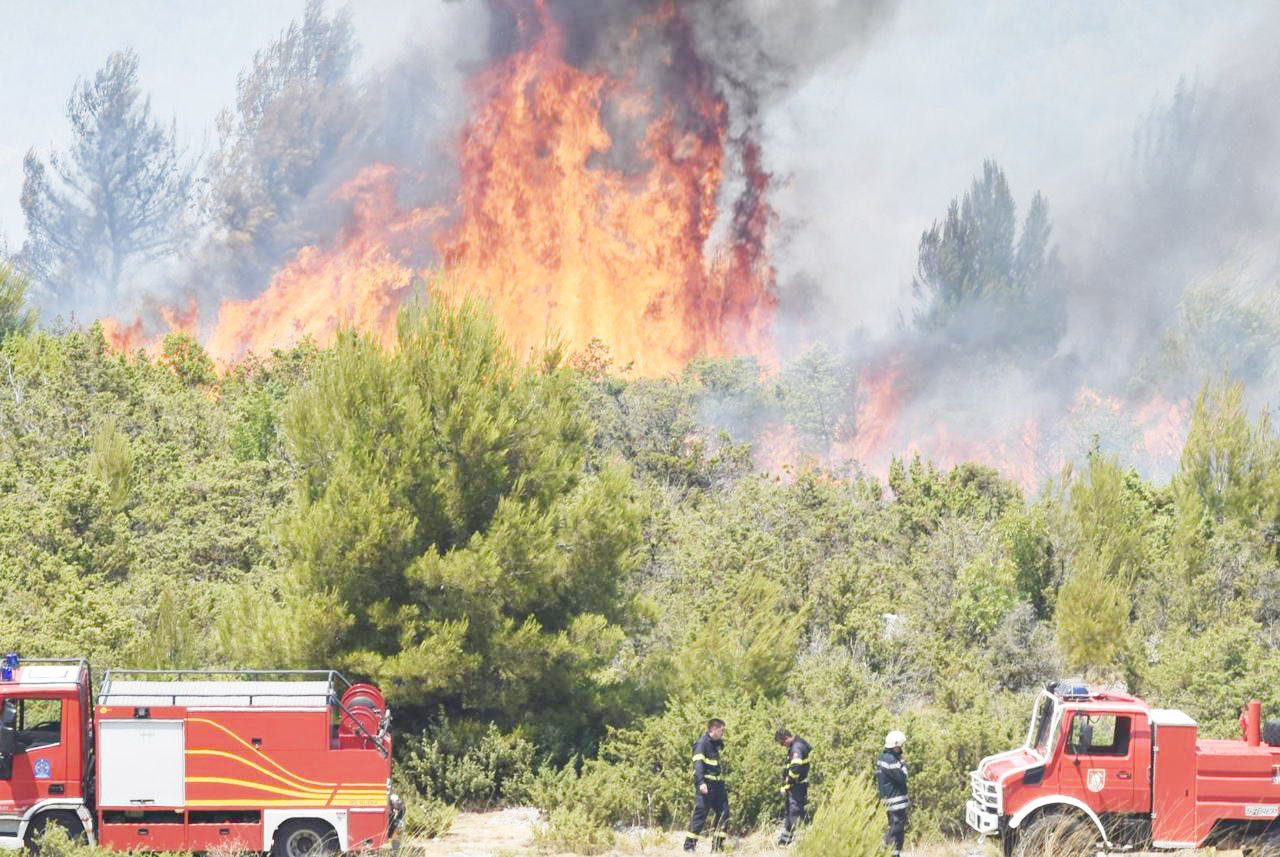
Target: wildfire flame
[557, 242]
[1149, 431]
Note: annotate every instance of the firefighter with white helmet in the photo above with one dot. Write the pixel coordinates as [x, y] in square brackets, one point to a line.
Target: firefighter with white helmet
[891, 778]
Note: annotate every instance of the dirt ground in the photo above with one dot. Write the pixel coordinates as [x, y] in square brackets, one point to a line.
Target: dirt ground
[509, 833]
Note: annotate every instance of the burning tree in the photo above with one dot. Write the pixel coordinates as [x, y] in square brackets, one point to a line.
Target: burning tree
[295, 113]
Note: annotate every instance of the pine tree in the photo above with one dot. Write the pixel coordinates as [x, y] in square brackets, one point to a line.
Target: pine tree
[15, 315]
[295, 109]
[444, 507]
[977, 284]
[120, 197]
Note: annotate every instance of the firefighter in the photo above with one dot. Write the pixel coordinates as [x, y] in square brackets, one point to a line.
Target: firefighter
[709, 789]
[795, 783]
[891, 777]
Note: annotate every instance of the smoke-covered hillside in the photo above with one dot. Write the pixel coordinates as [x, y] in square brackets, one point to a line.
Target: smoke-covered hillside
[677, 179]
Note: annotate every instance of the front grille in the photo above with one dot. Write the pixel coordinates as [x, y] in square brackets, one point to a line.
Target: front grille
[985, 793]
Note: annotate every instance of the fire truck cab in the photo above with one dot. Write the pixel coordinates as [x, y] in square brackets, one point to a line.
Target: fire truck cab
[286, 762]
[1101, 767]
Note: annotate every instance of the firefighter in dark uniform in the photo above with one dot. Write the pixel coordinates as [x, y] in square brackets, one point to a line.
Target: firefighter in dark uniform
[710, 794]
[891, 777]
[795, 782]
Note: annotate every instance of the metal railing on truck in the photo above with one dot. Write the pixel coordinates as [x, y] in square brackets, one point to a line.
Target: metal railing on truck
[330, 677]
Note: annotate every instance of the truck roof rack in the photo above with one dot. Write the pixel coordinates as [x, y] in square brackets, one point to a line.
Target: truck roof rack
[222, 688]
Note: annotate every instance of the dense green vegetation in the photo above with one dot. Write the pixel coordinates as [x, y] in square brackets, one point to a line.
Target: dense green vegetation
[558, 573]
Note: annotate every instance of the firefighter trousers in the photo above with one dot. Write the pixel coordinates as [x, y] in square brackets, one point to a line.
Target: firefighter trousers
[897, 831]
[716, 804]
[793, 814]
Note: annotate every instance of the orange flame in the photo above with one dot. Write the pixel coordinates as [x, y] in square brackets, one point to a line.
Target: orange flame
[1150, 431]
[129, 338]
[362, 282]
[557, 242]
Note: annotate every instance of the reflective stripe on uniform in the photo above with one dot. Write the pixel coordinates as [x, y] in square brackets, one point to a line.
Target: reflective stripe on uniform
[692, 835]
[803, 761]
[889, 766]
[896, 803]
[704, 760]
[712, 777]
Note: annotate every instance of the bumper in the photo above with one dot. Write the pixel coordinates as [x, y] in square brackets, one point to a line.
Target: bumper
[982, 820]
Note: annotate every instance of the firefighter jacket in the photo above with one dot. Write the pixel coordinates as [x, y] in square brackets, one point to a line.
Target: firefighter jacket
[706, 761]
[796, 771]
[891, 777]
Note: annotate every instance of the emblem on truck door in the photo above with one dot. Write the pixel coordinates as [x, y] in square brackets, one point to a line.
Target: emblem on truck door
[1097, 779]
[42, 769]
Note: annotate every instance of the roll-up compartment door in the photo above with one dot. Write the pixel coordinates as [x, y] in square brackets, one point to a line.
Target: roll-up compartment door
[141, 763]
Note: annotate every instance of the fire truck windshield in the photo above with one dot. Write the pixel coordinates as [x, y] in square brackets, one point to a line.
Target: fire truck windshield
[1042, 725]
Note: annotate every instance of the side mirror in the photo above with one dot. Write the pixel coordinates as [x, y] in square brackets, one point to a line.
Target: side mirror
[8, 737]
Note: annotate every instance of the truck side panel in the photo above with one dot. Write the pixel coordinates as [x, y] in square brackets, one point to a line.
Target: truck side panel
[124, 782]
[1236, 782]
[229, 766]
[365, 828]
[230, 835]
[1174, 801]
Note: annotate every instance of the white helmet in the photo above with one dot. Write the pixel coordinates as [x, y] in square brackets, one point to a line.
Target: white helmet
[894, 739]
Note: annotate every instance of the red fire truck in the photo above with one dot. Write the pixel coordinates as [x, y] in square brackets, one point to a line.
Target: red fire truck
[292, 763]
[1100, 767]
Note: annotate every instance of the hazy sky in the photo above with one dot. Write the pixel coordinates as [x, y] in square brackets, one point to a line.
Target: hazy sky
[189, 51]
[878, 144]
[870, 148]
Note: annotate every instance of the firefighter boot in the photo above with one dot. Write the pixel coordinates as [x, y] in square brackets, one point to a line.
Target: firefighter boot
[690, 843]
[717, 841]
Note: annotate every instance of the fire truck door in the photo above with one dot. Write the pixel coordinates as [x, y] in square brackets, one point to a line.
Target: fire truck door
[1101, 768]
[39, 760]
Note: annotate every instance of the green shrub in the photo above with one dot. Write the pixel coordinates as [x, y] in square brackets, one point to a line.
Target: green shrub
[643, 776]
[426, 817]
[572, 829]
[53, 841]
[471, 765]
[847, 823]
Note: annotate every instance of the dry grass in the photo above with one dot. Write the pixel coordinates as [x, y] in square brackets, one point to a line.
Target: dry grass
[509, 833]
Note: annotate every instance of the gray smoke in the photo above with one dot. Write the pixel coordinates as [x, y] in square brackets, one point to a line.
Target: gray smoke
[1162, 196]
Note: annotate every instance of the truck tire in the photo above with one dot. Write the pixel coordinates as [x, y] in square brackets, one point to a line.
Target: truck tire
[1271, 733]
[305, 837]
[1061, 833]
[66, 819]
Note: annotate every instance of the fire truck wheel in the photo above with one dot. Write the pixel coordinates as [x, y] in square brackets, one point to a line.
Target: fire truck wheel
[68, 821]
[305, 838]
[1058, 832]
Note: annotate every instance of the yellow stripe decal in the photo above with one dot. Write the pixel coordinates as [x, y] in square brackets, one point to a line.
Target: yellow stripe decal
[314, 795]
[281, 803]
[273, 762]
[265, 772]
